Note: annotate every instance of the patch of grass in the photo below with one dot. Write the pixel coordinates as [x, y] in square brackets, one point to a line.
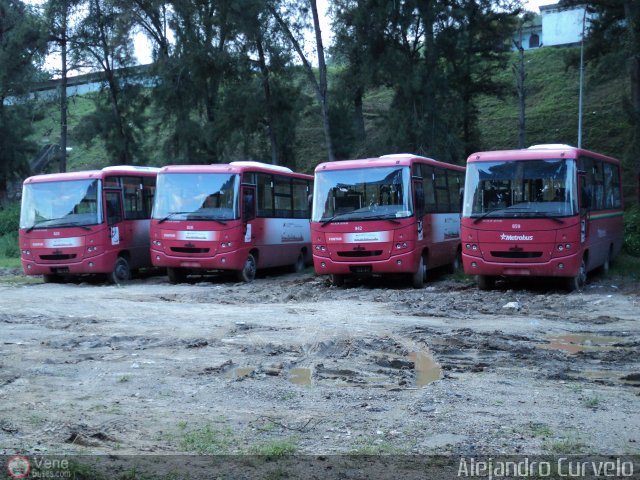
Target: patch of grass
[540, 430]
[209, 440]
[592, 402]
[124, 379]
[10, 246]
[10, 262]
[182, 424]
[276, 448]
[287, 396]
[565, 446]
[375, 446]
[20, 280]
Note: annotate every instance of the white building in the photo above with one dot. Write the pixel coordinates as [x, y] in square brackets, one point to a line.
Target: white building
[563, 25]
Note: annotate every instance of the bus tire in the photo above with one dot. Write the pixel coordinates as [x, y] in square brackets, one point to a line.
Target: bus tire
[579, 280]
[607, 263]
[418, 278]
[248, 272]
[176, 275]
[121, 272]
[456, 264]
[300, 264]
[337, 280]
[51, 278]
[486, 282]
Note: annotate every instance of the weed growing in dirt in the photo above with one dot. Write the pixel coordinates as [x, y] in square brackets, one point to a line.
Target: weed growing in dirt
[209, 440]
[20, 280]
[375, 446]
[276, 448]
[592, 402]
[124, 379]
[539, 430]
[565, 446]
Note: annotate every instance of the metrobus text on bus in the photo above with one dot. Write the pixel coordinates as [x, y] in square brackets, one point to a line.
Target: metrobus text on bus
[237, 217]
[90, 222]
[396, 214]
[546, 211]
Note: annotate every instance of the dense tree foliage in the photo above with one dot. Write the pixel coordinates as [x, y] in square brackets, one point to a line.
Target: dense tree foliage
[232, 80]
[22, 46]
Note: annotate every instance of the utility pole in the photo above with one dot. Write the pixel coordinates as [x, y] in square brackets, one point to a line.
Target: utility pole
[581, 91]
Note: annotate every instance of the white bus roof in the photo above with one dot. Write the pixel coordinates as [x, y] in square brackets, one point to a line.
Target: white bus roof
[550, 146]
[131, 168]
[251, 163]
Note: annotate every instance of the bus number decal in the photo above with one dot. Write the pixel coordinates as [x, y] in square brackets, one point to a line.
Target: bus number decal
[516, 225]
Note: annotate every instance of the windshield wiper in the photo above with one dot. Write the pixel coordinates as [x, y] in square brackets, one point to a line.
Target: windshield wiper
[546, 215]
[487, 213]
[196, 216]
[331, 219]
[67, 224]
[382, 217]
[171, 214]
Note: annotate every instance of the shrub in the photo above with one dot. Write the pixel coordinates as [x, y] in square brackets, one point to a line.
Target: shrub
[632, 231]
[9, 218]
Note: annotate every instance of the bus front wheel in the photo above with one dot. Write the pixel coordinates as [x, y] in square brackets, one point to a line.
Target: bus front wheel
[176, 275]
[418, 278]
[485, 282]
[121, 272]
[300, 264]
[580, 279]
[248, 272]
[337, 280]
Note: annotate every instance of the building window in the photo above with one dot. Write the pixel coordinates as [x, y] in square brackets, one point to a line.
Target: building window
[534, 41]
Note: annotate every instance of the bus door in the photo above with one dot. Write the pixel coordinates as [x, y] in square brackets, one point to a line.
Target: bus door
[585, 205]
[113, 200]
[249, 214]
[419, 203]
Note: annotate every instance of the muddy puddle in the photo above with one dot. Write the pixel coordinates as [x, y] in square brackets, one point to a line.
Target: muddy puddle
[575, 343]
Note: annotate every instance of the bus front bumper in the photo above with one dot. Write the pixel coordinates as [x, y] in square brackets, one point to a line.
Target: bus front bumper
[86, 266]
[401, 263]
[567, 266]
[233, 260]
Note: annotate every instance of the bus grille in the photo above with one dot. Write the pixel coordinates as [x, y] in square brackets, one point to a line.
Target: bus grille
[189, 250]
[516, 254]
[69, 256]
[360, 253]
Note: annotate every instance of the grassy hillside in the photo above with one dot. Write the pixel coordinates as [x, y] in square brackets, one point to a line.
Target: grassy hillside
[552, 107]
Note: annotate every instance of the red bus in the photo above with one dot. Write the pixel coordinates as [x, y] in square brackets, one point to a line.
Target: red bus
[546, 211]
[238, 217]
[91, 222]
[388, 215]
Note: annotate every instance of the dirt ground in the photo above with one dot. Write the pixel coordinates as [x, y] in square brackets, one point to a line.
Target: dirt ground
[290, 363]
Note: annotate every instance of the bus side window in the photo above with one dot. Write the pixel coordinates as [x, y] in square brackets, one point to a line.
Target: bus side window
[114, 208]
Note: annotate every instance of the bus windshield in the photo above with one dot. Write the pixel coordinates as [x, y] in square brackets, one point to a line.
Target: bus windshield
[362, 194]
[521, 188]
[72, 203]
[196, 196]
